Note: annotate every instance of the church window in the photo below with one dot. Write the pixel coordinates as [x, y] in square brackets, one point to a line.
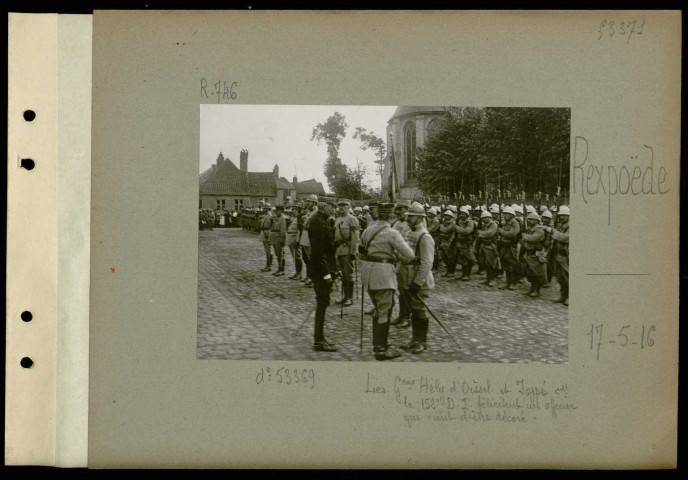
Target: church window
[410, 150]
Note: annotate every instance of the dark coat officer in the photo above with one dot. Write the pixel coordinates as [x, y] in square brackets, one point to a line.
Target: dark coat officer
[322, 270]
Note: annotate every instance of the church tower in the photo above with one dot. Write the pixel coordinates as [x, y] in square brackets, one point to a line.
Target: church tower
[407, 130]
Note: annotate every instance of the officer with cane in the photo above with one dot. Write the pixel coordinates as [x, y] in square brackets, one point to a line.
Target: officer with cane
[380, 246]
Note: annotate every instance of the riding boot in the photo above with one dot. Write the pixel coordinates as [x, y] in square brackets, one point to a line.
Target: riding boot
[422, 339]
[383, 351]
[415, 329]
[537, 285]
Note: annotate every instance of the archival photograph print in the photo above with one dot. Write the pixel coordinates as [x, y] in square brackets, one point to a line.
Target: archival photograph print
[383, 233]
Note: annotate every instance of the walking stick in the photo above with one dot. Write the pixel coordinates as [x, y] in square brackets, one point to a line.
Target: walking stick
[356, 275]
[362, 313]
[437, 320]
[341, 305]
[304, 322]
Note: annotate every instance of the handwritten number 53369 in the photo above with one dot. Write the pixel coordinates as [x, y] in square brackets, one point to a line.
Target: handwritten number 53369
[611, 28]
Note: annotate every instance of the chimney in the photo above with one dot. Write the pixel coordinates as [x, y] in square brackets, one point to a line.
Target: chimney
[275, 171]
[295, 180]
[243, 161]
[219, 160]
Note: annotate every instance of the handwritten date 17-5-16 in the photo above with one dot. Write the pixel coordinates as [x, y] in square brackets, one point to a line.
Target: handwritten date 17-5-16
[640, 336]
[286, 376]
[624, 29]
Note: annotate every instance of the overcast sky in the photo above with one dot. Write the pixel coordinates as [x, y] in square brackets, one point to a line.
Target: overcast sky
[281, 134]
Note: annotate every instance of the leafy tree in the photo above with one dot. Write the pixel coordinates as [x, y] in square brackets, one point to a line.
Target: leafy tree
[332, 132]
[371, 141]
[484, 151]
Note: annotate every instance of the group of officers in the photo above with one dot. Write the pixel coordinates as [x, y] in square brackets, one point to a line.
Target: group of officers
[401, 245]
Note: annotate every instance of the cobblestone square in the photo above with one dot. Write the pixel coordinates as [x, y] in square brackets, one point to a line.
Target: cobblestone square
[245, 314]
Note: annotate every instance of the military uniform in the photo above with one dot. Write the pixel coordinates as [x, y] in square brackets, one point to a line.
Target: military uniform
[264, 237]
[346, 237]
[465, 237]
[508, 250]
[487, 236]
[305, 236]
[434, 231]
[278, 239]
[416, 279]
[447, 234]
[293, 237]
[534, 255]
[381, 246]
[321, 270]
[400, 225]
[560, 235]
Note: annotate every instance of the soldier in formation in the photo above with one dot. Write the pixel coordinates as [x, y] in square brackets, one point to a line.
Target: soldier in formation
[347, 232]
[278, 238]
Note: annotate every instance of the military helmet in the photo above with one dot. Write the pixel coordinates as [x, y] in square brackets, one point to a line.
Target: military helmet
[485, 214]
[449, 213]
[546, 214]
[432, 211]
[508, 210]
[358, 209]
[530, 209]
[452, 208]
[563, 210]
[494, 209]
[464, 210]
[517, 209]
[543, 208]
[366, 208]
[493, 206]
[312, 198]
[416, 209]
[533, 216]
[344, 201]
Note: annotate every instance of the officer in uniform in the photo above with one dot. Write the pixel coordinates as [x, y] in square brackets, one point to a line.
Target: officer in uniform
[311, 210]
[278, 238]
[447, 233]
[372, 214]
[381, 246]
[535, 257]
[487, 236]
[322, 270]
[399, 224]
[265, 223]
[508, 247]
[293, 236]
[358, 213]
[347, 233]
[546, 219]
[465, 236]
[416, 278]
[434, 230]
[560, 235]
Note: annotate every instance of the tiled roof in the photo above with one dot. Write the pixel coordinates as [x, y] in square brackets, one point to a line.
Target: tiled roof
[284, 184]
[229, 180]
[310, 186]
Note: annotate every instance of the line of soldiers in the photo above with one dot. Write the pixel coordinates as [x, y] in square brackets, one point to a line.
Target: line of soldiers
[401, 246]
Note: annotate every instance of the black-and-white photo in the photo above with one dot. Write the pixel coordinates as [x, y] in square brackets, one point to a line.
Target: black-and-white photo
[383, 233]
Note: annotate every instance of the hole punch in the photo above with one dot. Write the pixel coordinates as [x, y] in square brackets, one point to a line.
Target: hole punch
[26, 316]
[26, 362]
[27, 163]
[29, 115]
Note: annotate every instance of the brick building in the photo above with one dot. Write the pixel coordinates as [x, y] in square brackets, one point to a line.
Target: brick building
[226, 186]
